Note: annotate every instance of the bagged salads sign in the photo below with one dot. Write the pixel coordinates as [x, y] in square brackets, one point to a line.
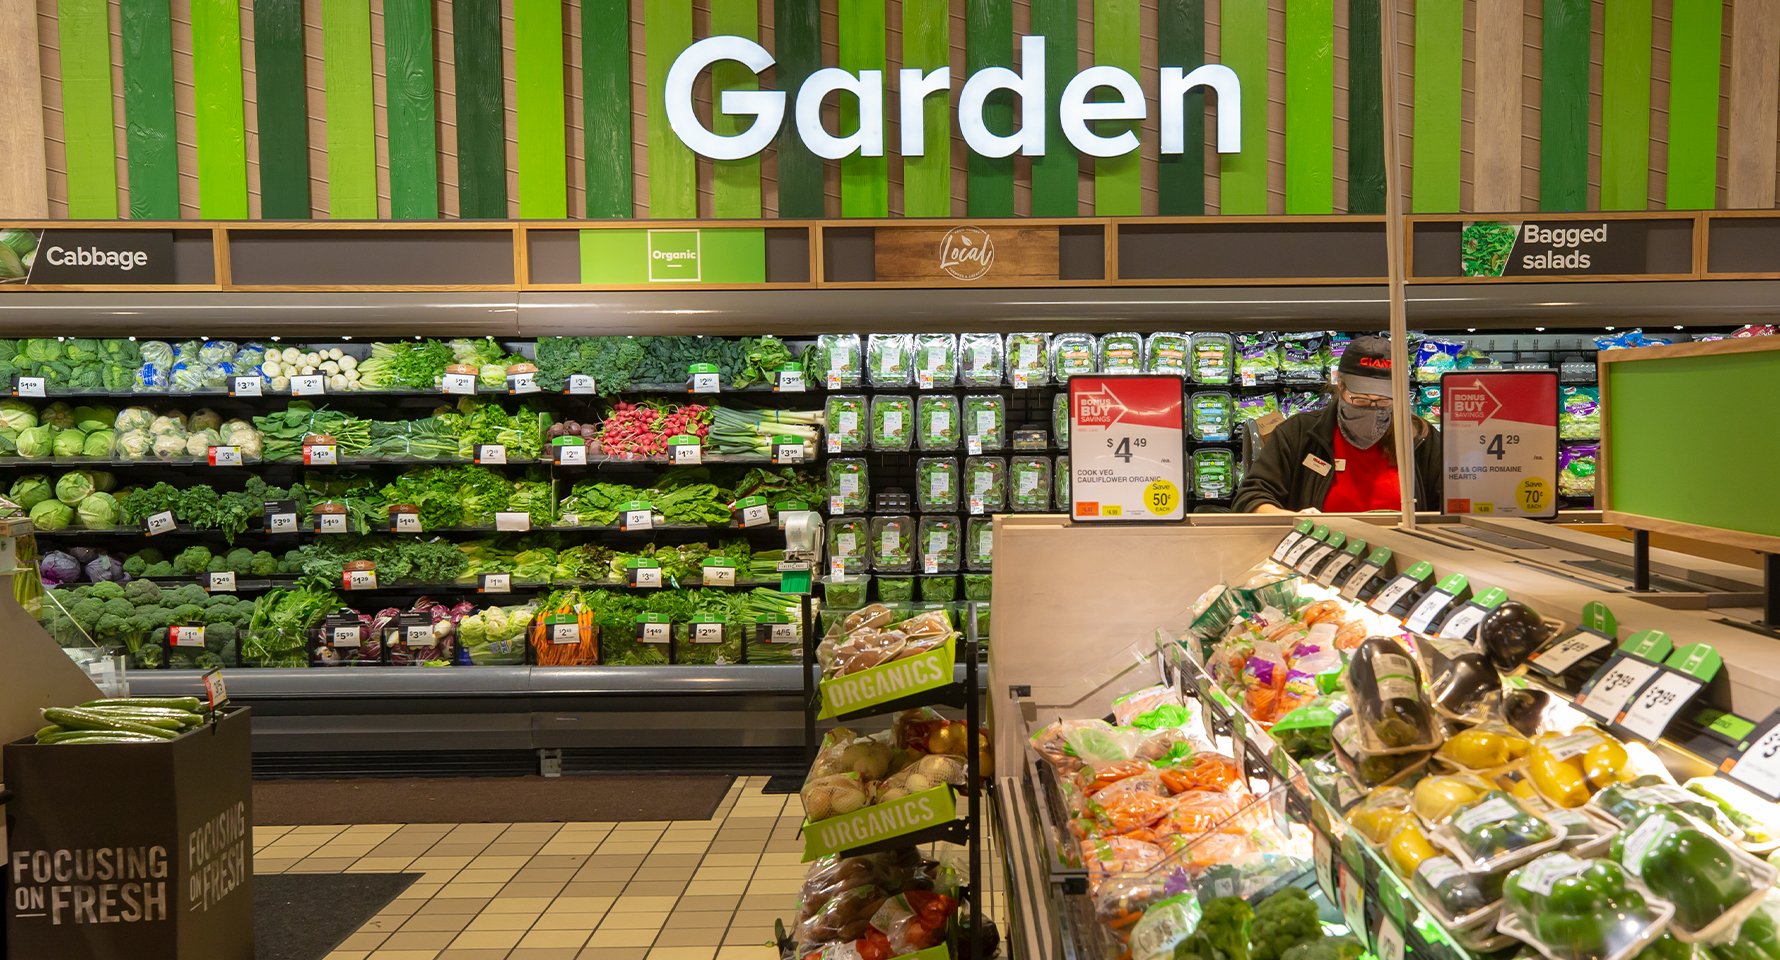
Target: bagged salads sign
[1076, 108]
[1534, 248]
[85, 256]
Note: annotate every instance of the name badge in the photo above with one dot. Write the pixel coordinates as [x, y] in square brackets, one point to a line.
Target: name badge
[1317, 463]
[1341, 466]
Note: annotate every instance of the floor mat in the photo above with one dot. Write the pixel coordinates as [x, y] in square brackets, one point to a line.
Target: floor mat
[593, 797]
[304, 916]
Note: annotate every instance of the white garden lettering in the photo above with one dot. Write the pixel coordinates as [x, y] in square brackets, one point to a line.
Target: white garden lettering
[1076, 111]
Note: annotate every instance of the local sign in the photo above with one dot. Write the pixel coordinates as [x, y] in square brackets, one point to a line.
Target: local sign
[1126, 450]
[1500, 434]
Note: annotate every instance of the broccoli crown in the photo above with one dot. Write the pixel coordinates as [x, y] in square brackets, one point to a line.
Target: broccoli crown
[192, 560]
[119, 607]
[263, 564]
[238, 560]
[218, 636]
[1283, 921]
[190, 593]
[143, 593]
[188, 613]
[87, 610]
[160, 568]
[106, 590]
[135, 564]
[1223, 932]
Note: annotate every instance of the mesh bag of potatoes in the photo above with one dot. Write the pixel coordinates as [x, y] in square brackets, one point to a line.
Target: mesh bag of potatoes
[845, 767]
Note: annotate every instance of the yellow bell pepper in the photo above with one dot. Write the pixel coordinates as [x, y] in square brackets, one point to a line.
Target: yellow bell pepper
[1408, 848]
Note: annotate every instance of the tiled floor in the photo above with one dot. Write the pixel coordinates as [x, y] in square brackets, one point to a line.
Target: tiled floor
[663, 890]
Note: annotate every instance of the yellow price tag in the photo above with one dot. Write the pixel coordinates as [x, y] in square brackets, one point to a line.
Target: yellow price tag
[1111, 510]
[1161, 497]
[1534, 495]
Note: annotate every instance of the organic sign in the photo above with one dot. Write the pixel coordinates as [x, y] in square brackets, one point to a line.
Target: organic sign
[888, 681]
[929, 808]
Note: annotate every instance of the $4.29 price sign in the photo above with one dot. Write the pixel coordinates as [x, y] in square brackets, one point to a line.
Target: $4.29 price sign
[1499, 429]
[1127, 455]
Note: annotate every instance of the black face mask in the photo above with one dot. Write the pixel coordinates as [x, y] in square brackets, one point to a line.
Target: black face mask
[1363, 426]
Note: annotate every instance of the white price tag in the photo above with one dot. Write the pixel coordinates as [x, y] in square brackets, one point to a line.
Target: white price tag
[308, 385]
[405, 522]
[707, 633]
[1463, 622]
[192, 636]
[1325, 863]
[1335, 569]
[790, 381]
[645, 577]
[1395, 590]
[1353, 900]
[330, 523]
[1759, 767]
[458, 383]
[1422, 617]
[1021, 380]
[929, 564]
[973, 446]
[417, 636]
[704, 383]
[1655, 706]
[160, 523]
[924, 379]
[580, 384]
[512, 521]
[491, 453]
[1248, 378]
[688, 454]
[834, 444]
[782, 633]
[1358, 579]
[638, 519]
[224, 456]
[565, 633]
[652, 632]
[30, 386]
[1285, 546]
[1314, 558]
[834, 380]
[755, 516]
[359, 580]
[496, 583]
[518, 383]
[1616, 687]
[1569, 651]
[570, 520]
[281, 523]
[1387, 943]
[787, 452]
[837, 504]
[344, 637]
[571, 454]
[246, 387]
[320, 454]
[837, 569]
[717, 576]
[976, 506]
[1299, 549]
[223, 582]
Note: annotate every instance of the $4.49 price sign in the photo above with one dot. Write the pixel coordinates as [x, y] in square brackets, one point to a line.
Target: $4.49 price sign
[1499, 429]
[1126, 453]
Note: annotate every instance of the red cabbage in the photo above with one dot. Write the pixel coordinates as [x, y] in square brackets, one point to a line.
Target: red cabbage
[57, 568]
[104, 567]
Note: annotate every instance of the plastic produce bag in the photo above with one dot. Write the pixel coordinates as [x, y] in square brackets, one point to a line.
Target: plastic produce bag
[1165, 925]
[1579, 413]
[1302, 358]
[1257, 359]
[979, 551]
[1496, 832]
[1576, 469]
[1708, 879]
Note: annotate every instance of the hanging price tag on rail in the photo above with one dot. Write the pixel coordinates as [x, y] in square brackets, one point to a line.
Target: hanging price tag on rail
[1757, 764]
[28, 386]
[685, 451]
[654, 628]
[224, 456]
[570, 452]
[223, 582]
[1339, 565]
[1320, 552]
[787, 450]
[186, 636]
[1295, 536]
[526, 381]
[320, 454]
[361, 577]
[458, 383]
[1319, 534]
[564, 628]
[1401, 587]
[308, 385]
[159, 523]
[645, 574]
[703, 378]
[706, 632]
[789, 379]
[636, 515]
[1614, 685]
[491, 453]
[1596, 633]
[752, 512]
[1499, 431]
[1658, 702]
[580, 385]
[245, 386]
[1126, 452]
[495, 583]
[717, 572]
[280, 516]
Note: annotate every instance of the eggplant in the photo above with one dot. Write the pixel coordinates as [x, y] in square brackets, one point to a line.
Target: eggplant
[1524, 709]
[1466, 682]
[1511, 633]
[1384, 684]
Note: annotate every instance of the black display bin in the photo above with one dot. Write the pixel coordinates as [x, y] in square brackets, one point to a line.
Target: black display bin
[132, 851]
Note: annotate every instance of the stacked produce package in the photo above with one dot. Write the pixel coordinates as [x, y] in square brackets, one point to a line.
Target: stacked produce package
[1507, 817]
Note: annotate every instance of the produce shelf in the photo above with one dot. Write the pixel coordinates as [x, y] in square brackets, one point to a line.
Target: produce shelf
[186, 529]
[377, 683]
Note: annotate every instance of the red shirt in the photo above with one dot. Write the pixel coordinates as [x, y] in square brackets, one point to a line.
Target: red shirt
[1368, 483]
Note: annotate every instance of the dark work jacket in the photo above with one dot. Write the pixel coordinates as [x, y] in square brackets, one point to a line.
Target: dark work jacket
[1280, 477]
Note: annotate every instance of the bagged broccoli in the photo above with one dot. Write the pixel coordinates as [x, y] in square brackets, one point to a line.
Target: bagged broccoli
[939, 422]
[889, 360]
[936, 360]
[985, 421]
[839, 361]
[1167, 353]
[1028, 359]
[936, 483]
[1030, 480]
[979, 360]
[892, 423]
[985, 484]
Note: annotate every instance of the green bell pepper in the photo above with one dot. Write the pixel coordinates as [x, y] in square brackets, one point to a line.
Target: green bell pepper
[1683, 864]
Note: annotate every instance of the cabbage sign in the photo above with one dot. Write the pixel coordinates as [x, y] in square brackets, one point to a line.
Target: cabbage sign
[86, 256]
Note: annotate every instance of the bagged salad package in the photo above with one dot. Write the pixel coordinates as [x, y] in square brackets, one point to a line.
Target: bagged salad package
[1211, 415]
[1302, 357]
[1576, 469]
[846, 416]
[1029, 359]
[939, 422]
[892, 423]
[1060, 419]
[1214, 474]
[1257, 359]
[840, 361]
[849, 485]
[979, 360]
[847, 542]
[1255, 406]
[985, 420]
[985, 484]
[1294, 402]
[1072, 354]
[1121, 353]
[1029, 480]
[889, 360]
[1166, 353]
[936, 360]
[936, 483]
[892, 544]
[1213, 359]
[1579, 413]
[942, 544]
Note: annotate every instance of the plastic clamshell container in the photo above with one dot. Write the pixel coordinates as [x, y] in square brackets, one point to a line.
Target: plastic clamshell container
[936, 359]
[1167, 352]
[849, 541]
[1635, 934]
[1369, 769]
[937, 482]
[1746, 808]
[985, 482]
[889, 360]
[892, 545]
[1073, 355]
[892, 423]
[1495, 809]
[1426, 882]
[980, 360]
[1759, 873]
[843, 359]
[938, 424]
[847, 420]
[1028, 359]
[849, 484]
[985, 420]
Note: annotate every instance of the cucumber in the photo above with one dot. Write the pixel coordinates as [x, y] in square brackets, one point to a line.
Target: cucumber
[77, 719]
[139, 714]
[188, 704]
[165, 723]
[48, 729]
[94, 736]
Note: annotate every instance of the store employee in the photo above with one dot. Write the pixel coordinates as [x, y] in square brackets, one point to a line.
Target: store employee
[1343, 458]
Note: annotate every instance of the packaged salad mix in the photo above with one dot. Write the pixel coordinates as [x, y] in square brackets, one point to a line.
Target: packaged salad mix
[892, 423]
[939, 422]
[936, 360]
[936, 483]
[840, 361]
[979, 360]
[889, 360]
[985, 420]
[1029, 359]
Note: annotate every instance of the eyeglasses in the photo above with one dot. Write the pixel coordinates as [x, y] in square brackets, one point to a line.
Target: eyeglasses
[1366, 400]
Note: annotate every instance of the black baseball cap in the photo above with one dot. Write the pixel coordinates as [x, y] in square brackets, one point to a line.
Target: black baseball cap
[1366, 366]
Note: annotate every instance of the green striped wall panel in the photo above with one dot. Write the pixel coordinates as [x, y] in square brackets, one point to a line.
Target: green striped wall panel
[151, 139]
[1695, 51]
[1625, 105]
[1439, 53]
[927, 179]
[605, 108]
[865, 181]
[352, 143]
[989, 42]
[1118, 42]
[1365, 109]
[673, 172]
[538, 98]
[221, 124]
[1310, 107]
[283, 117]
[88, 130]
[481, 110]
[735, 184]
[797, 39]
[413, 110]
[1563, 106]
[1180, 177]
[1242, 38]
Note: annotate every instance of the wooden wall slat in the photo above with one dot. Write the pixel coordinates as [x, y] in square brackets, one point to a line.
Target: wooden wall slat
[1625, 106]
[539, 99]
[481, 109]
[605, 108]
[1755, 103]
[352, 142]
[735, 184]
[1439, 63]
[1495, 171]
[88, 129]
[24, 165]
[1310, 107]
[151, 139]
[865, 181]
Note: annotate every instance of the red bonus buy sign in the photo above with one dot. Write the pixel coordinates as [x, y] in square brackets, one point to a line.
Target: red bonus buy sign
[1471, 402]
[1127, 457]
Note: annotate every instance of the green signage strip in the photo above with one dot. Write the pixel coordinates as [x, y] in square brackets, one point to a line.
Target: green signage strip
[351, 128]
[153, 141]
[1056, 175]
[220, 121]
[1727, 725]
[1439, 64]
[413, 112]
[888, 682]
[865, 180]
[935, 807]
[84, 37]
[927, 46]
[640, 255]
[1310, 107]
[1625, 105]
[735, 184]
[538, 98]
[1365, 108]
[1118, 42]
[673, 170]
[605, 108]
